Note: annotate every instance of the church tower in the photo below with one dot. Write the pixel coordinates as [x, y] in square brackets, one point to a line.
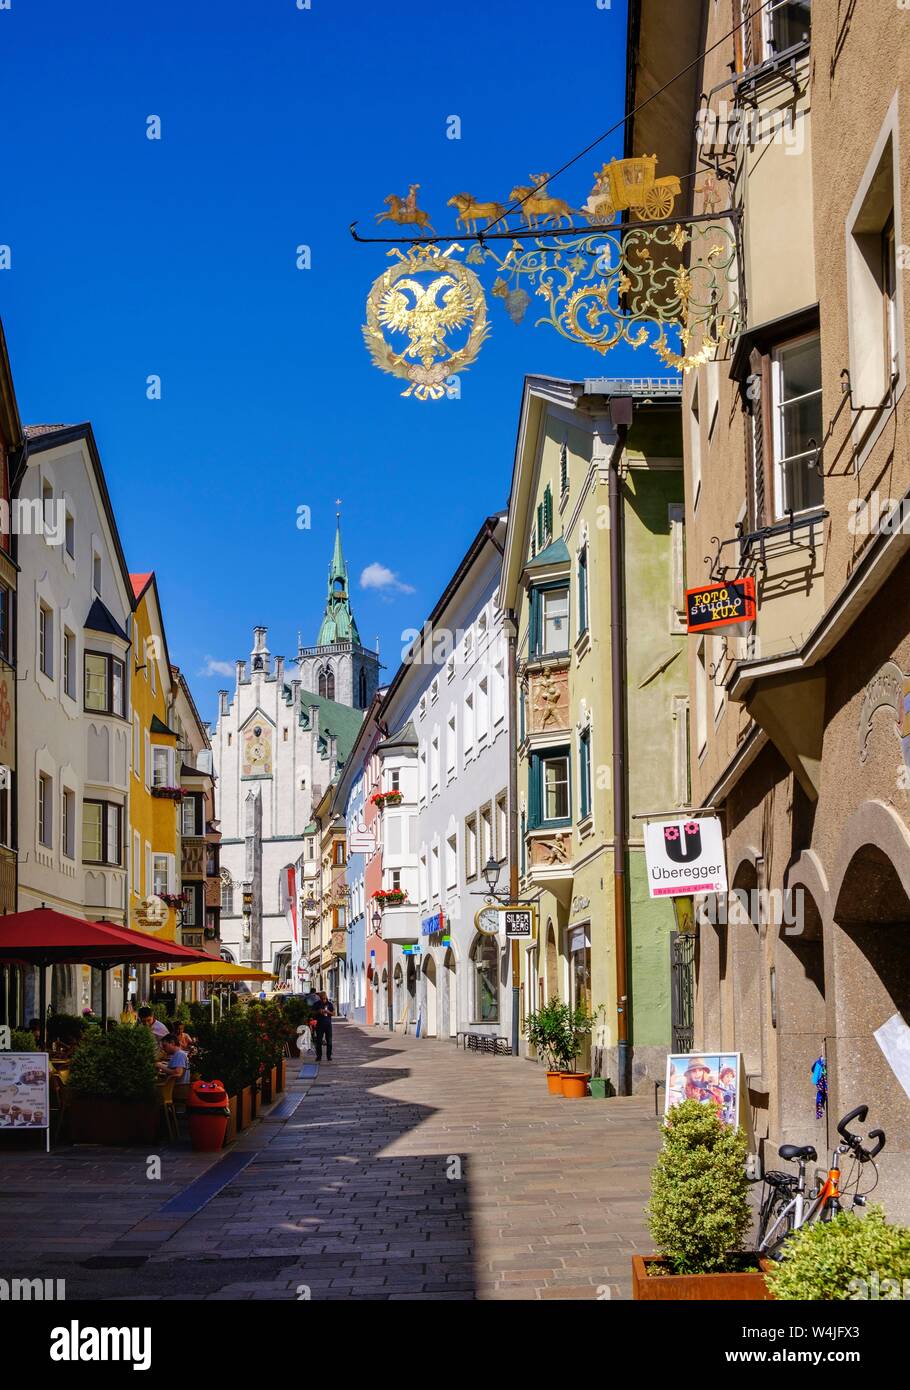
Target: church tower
[339, 667]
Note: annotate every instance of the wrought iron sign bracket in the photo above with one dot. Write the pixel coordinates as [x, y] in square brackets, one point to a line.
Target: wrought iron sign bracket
[748, 540]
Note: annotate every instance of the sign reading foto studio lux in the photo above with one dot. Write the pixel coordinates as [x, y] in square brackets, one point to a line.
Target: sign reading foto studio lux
[685, 857]
[717, 605]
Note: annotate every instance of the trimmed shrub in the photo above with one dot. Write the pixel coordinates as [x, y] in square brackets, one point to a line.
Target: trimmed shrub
[850, 1257]
[699, 1210]
[119, 1063]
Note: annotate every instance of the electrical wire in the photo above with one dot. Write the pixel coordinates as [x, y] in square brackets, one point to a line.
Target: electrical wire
[634, 112]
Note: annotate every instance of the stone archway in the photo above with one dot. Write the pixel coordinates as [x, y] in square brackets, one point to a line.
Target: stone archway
[430, 1022]
[451, 994]
[871, 961]
[799, 1015]
[552, 989]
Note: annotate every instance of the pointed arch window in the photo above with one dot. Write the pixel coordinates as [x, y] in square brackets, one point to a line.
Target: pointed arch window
[327, 683]
[362, 689]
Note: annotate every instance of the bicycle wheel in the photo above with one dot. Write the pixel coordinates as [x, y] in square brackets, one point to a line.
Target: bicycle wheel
[776, 1203]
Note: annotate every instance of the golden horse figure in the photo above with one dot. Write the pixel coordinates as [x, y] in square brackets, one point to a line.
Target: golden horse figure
[471, 212]
[405, 211]
[555, 210]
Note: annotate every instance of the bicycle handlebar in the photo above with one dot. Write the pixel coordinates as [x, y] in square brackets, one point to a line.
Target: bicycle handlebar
[878, 1134]
[859, 1113]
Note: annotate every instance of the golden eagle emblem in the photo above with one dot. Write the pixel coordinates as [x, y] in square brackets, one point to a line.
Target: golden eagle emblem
[427, 314]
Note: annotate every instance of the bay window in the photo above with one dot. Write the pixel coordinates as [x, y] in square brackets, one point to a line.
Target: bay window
[550, 788]
[549, 620]
[105, 690]
[101, 832]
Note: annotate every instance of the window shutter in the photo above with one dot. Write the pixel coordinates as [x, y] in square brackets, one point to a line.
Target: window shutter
[534, 623]
[534, 792]
[539, 525]
[755, 442]
[548, 511]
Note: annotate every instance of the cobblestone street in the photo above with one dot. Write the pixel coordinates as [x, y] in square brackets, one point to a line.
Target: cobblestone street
[404, 1169]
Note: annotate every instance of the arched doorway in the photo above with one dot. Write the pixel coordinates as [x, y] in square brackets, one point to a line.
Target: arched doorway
[430, 1024]
[398, 995]
[741, 986]
[451, 1004]
[485, 960]
[871, 961]
[411, 987]
[799, 1020]
[552, 965]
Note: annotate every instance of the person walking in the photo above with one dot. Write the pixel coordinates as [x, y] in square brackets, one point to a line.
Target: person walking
[322, 1034]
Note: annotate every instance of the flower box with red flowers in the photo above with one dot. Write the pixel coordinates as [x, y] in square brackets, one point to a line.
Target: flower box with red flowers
[169, 793]
[382, 799]
[175, 899]
[391, 897]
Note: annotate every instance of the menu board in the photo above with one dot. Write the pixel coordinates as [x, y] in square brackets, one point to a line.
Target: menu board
[716, 605]
[23, 1090]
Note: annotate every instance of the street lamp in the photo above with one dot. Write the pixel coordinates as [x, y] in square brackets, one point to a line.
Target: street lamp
[376, 920]
[491, 875]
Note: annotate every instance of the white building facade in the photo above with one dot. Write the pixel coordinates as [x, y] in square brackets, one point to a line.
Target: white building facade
[74, 664]
[449, 751]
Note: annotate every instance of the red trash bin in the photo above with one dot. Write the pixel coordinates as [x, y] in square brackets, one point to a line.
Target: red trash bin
[208, 1112]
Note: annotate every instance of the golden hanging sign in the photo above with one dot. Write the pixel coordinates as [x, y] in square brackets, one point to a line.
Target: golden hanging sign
[427, 311]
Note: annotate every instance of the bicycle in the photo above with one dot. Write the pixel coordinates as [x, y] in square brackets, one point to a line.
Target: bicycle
[785, 1206]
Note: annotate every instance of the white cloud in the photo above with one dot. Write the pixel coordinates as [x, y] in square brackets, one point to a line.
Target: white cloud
[377, 576]
[211, 667]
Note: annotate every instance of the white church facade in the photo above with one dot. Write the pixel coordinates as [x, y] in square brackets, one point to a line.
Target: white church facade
[278, 743]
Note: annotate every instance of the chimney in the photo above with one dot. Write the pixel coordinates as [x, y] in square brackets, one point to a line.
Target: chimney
[314, 719]
[241, 671]
[279, 669]
[222, 702]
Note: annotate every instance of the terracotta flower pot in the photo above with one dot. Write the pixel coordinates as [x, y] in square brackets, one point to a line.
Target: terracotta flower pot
[690, 1288]
[575, 1084]
[554, 1083]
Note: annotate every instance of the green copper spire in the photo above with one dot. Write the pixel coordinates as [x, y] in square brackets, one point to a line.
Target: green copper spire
[338, 623]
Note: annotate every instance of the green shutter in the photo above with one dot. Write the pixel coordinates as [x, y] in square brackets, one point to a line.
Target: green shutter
[534, 803]
[583, 590]
[534, 624]
[548, 511]
[540, 527]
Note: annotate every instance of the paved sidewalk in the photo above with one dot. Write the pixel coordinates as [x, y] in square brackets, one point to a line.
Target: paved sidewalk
[409, 1169]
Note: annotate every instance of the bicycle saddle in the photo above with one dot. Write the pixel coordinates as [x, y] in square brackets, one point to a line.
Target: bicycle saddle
[795, 1151]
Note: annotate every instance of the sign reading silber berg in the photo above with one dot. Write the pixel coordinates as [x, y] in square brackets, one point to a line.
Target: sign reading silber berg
[685, 857]
[519, 923]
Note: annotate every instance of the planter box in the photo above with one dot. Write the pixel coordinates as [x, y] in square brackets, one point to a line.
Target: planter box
[102, 1120]
[230, 1133]
[274, 1088]
[601, 1087]
[690, 1288]
[245, 1112]
[280, 1076]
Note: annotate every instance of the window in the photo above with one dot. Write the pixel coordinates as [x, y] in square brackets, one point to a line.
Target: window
[191, 814]
[468, 722]
[486, 834]
[227, 894]
[502, 826]
[327, 683]
[451, 749]
[362, 688]
[874, 291]
[681, 787]
[485, 959]
[6, 820]
[70, 535]
[701, 699]
[434, 871]
[796, 376]
[160, 875]
[584, 770]
[483, 708]
[104, 683]
[96, 572]
[45, 811]
[101, 827]
[695, 445]
[549, 621]
[718, 658]
[6, 610]
[788, 23]
[434, 762]
[583, 589]
[338, 853]
[46, 640]
[137, 747]
[580, 972]
[422, 772]
[452, 861]
[395, 779]
[69, 823]
[498, 694]
[549, 786]
[395, 880]
[47, 507]
[470, 847]
[69, 663]
[161, 766]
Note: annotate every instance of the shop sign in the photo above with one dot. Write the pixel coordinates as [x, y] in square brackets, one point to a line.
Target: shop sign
[519, 923]
[684, 857]
[361, 840]
[433, 925]
[719, 605]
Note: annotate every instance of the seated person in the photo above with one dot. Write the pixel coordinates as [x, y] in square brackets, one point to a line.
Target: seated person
[176, 1067]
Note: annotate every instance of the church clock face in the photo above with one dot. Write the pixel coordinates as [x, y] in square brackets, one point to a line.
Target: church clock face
[257, 751]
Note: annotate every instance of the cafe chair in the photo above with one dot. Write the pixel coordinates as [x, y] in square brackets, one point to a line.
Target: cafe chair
[166, 1102]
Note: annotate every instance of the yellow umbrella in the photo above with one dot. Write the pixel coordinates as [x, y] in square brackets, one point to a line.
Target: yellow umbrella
[216, 970]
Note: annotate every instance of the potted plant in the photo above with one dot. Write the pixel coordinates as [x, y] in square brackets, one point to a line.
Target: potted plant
[547, 1032]
[850, 1257]
[578, 1025]
[227, 1054]
[699, 1213]
[391, 897]
[112, 1087]
[65, 1030]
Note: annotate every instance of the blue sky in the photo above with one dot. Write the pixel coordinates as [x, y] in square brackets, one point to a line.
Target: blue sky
[176, 257]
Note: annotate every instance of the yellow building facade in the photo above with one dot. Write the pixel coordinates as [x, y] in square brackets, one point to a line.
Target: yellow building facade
[154, 801]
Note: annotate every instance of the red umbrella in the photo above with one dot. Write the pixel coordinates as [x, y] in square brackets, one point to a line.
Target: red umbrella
[42, 936]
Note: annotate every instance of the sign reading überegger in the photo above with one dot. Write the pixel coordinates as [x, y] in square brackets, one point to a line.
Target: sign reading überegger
[685, 856]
